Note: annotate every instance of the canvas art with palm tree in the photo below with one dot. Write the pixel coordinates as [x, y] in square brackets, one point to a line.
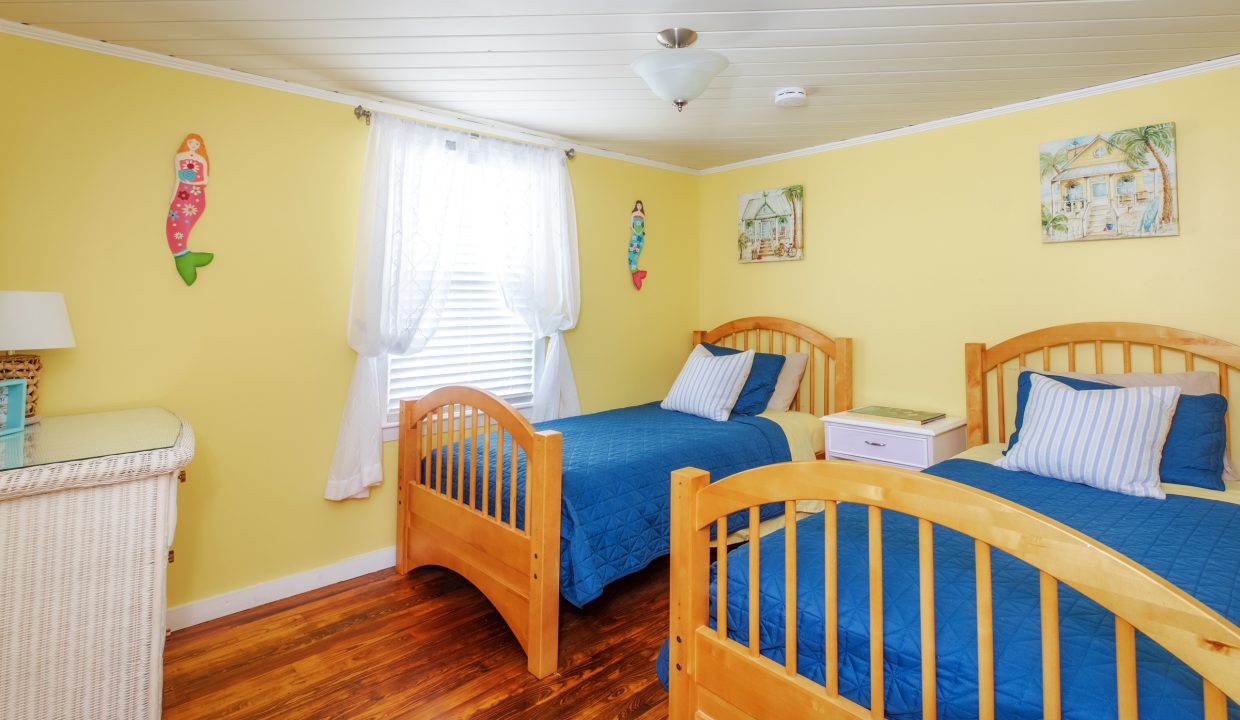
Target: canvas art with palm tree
[771, 225]
[1118, 184]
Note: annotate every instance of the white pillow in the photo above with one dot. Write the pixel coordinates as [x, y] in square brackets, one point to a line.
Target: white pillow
[788, 382]
[1108, 439]
[1195, 382]
[708, 386]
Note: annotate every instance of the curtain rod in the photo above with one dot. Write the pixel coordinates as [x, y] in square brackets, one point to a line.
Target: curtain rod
[362, 113]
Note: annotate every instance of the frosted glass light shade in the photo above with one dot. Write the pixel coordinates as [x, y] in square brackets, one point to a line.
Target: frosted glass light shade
[34, 321]
[679, 75]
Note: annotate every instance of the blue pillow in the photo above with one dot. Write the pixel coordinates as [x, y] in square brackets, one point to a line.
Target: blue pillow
[761, 383]
[1193, 454]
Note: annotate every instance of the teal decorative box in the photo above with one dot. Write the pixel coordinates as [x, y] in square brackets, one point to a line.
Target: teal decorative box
[12, 406]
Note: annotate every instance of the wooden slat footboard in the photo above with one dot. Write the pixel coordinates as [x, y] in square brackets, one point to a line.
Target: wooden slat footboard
[458, 508]
[714, 676]
[472, 527]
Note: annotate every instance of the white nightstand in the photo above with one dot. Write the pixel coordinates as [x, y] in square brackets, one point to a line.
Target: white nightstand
[906, 446]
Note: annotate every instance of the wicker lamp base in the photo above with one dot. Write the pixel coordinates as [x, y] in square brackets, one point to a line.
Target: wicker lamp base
[28, 367]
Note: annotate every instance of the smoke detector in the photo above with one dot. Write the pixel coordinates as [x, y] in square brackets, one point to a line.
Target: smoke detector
[790, 97]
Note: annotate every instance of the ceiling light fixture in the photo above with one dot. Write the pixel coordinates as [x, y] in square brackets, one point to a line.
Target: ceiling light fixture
[681, 73]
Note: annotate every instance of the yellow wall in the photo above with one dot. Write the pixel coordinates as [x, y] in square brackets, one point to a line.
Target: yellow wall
[629, 345]
[916, 245]
[254, 355]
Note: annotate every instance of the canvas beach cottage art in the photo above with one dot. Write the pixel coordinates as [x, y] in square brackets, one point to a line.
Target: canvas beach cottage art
[771, 225]
[1111, 185]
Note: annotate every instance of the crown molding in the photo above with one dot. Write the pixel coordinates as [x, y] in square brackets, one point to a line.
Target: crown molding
[403, 109]
[1152, 78]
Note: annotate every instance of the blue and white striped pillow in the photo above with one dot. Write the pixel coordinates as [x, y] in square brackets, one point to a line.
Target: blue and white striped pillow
[707, 385]
[1108, 439]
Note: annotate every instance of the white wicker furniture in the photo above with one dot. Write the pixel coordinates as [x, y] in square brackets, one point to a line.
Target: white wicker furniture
[86, 520]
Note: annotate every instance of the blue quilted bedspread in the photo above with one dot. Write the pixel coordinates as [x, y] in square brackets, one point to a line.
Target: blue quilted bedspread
[617, 488]
[1193, 543]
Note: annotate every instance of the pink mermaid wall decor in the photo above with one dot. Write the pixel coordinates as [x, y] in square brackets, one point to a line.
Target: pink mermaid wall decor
[189, 202]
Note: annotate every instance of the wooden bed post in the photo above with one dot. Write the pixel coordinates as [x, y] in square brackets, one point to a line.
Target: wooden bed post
[843, 376]
[543, 502]
[975, 393]
[409, 468]
[697, 336]
[690, 585]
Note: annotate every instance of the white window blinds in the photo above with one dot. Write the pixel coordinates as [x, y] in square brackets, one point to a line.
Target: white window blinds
[479, 342]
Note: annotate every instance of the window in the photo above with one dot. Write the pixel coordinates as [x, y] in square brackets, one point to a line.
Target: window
[478, 342]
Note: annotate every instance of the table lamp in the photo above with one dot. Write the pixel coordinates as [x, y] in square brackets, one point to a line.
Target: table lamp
[31, 321]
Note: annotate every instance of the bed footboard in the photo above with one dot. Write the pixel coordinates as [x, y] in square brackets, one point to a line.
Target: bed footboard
[714, 676]
[461, 452]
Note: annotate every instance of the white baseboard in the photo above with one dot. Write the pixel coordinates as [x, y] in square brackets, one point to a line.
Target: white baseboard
[200, 611]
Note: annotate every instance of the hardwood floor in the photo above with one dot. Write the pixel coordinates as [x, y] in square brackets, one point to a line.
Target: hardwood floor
[426, 645]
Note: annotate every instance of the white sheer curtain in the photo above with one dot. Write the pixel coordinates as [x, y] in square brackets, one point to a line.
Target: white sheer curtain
[535, 236]
[418, 184]
[412, 189]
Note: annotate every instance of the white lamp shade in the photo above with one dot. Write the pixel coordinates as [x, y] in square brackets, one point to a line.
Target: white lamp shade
[679, 74]
[34, 321]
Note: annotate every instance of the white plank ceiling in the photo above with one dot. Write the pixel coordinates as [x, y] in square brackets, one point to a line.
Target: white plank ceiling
[562, 66]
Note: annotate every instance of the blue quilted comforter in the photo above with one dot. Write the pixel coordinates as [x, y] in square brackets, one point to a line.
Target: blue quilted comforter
[617, 489]
[1193, 543]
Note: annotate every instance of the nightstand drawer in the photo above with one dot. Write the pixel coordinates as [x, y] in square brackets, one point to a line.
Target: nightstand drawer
[879, 445]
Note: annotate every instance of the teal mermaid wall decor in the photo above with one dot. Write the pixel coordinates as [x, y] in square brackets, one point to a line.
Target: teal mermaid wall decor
[637, 239]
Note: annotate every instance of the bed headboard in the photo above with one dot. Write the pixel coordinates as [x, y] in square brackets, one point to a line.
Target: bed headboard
[830, 359]
[1083, 347]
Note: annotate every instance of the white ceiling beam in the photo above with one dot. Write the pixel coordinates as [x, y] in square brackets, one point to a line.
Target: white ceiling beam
[49, 11]
[1045, 48]
[285, 38]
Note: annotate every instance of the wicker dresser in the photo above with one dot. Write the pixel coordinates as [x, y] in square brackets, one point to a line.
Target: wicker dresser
[87, 512]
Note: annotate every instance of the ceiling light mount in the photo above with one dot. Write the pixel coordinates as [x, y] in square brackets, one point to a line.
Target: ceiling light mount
[676, 38]
[680, 73]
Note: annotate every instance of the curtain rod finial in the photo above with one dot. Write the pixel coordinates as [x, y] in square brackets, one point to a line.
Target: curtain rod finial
[570, 153]
[361, 113]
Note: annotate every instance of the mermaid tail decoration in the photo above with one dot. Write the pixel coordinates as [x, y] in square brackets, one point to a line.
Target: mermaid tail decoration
[188, 263]
[637, 240]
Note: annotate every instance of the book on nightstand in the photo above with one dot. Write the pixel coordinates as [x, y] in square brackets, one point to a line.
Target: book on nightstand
[896, 416]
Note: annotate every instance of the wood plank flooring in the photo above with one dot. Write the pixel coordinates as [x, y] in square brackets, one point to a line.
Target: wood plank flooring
[426, 645]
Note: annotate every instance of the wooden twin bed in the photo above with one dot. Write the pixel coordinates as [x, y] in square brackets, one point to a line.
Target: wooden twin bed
[466, 514]
[714, 675]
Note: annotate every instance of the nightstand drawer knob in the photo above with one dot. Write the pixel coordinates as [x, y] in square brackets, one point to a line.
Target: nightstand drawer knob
[875, 444]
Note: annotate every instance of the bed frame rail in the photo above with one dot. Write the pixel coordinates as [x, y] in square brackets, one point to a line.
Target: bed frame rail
[715, 676]
[461, 450]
